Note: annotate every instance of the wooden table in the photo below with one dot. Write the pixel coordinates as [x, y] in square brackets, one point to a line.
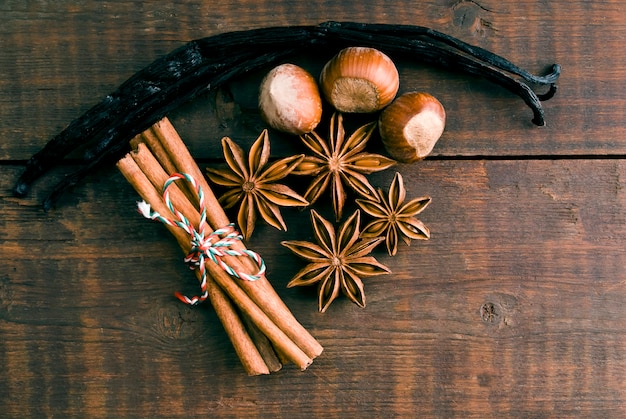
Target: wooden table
[513, 308]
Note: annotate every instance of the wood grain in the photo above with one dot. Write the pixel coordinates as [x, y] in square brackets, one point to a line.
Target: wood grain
[514, 307]
[92, 48]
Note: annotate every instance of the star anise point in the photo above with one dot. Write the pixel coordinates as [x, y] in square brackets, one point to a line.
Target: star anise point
[393, 218]
[252, 183]
[338, 260]
[340, 163]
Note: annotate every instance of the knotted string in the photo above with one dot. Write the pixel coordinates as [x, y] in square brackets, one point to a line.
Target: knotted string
[213, 246]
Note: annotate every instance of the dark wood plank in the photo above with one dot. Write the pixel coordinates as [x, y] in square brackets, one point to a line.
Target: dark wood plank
[514, 307]
[59, 59]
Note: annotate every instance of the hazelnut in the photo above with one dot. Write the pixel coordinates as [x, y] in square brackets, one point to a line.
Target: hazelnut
[289, 100]
[359, 80]
[411, 125]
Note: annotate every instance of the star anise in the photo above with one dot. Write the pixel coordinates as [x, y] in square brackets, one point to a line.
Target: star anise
[393, 218]
[340, 161]
[252, 184]
[338, 261]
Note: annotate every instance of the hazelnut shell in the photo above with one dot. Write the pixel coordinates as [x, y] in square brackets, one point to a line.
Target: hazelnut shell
[359, 80]
[411, 126]
[289, 99]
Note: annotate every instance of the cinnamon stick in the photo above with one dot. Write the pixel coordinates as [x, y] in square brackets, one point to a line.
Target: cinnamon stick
[154, 166]
[250, 358]
[253, 359]
[150, 139]
[275, 334]
[264, 346]
[260, 291]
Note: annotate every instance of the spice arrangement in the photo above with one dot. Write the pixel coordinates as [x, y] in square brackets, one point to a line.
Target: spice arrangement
[356, 80]
[130, 126]
[205, 64]
[263, 331]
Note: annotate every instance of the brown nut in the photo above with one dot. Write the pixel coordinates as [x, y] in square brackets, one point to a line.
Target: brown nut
[359, 80]
[411, 126]
[289, 99]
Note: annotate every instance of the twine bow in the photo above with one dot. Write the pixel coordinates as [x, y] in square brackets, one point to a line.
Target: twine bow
[213, 246]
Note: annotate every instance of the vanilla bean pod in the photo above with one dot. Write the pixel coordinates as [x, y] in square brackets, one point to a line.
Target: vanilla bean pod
[404, 32]
[159, 88]
[202, 65]
[115, 144]
[431, 54]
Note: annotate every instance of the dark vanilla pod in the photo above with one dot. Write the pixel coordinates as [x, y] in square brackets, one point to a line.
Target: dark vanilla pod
[205, 64]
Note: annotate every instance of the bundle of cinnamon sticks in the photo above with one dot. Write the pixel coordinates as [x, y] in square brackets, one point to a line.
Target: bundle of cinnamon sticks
[263, 331]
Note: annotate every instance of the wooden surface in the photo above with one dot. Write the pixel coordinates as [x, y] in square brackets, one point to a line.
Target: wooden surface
[514, 308]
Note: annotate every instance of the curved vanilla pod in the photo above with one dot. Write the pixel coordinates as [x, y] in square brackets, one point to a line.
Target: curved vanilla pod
[404, 32]
[114, 144]
[430, 53]
[193, 69]
[205, 64]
